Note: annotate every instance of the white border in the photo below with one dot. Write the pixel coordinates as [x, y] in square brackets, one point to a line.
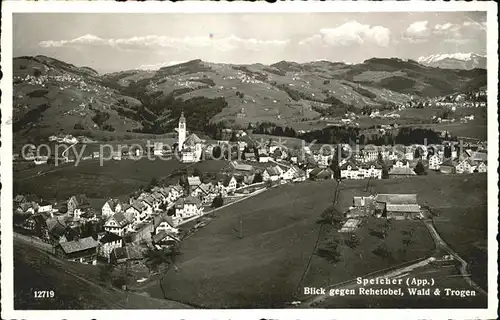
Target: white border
[223, 7]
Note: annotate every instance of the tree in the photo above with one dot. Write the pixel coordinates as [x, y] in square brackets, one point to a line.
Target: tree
[380, 159]
[417, 153]
[352, 242]
[233, 137]
[216, 152]
[152, 183]
[419, 169]
[385, 173]
[257, 178]
[78, 126]
[197, 172]
[218, 201]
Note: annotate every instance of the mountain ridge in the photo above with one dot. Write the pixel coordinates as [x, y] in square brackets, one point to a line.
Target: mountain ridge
[51, 95]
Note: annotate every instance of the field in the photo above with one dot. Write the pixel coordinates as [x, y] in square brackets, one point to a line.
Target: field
[264, 268]
[76, 286]
[113, 179]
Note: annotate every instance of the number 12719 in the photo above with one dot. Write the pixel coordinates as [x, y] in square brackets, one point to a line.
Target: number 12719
[42, 294]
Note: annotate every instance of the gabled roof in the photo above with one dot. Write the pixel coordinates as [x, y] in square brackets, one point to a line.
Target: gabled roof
[109, 237]
[479, 156]
[79, 245]
[194, 181]
[120, 219]
[81, 201]
[402, 171]
[273, 171]
[226, 180]
[448, 163]
[395, 198]
[19, 198]
[402, 207]
[351, 162]
[192, 139]
[241, 166]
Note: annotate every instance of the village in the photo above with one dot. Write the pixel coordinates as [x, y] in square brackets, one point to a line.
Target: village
[159, 217]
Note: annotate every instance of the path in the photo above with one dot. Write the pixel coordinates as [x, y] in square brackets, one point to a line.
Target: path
[440, 243]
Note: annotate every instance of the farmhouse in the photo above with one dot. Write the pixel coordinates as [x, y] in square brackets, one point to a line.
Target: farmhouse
[163, 239]
[465, 166]
[398, 206]
[434, 162]
[229, 184]
[107, 242]
[164, 223]
[188, 207]
[110, 207]
[272, 174]
[482, 167]
[401, 172]
[321, 174]
[448, 167]
[81, 250]
[78, 204]
[117, 224]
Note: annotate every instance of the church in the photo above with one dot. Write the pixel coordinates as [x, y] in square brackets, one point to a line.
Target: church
[190, 148]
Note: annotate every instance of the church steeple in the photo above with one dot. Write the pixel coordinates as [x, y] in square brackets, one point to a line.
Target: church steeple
[182, 131]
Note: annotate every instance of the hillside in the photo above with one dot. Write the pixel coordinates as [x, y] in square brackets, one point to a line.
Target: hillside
[52, 96]
[76, 286]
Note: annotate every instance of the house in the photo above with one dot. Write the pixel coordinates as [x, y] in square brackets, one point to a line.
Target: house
[107, 242]
[164, 240]
[434, 162]
[188, 207]
[402, 211]
[82, 250]
[401, 172]
[110, 207]
[149, 204]
[272, 174]
[229, 184]
[137, 209]
[193, 183]
[44, 206]
[289, 173]
[465, 166]
[56, 228]
[164, 223]
[249, 156]
[397, 206]
[27, 208]
[321, 174]
[263, 158]
[133, 253]
[350, 170]
[401, 164]
[19, 199]
[482, 167]
[448, 167]
[117, 224]
[299, 175]
[78, 204]
[205, 192]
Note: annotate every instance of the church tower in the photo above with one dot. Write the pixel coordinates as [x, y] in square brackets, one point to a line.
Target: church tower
[182, 131]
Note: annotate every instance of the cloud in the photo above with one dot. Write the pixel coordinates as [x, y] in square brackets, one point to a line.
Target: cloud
[459, 33]
[160, 65]
[350, 33]
[156, 42]
[417, 32]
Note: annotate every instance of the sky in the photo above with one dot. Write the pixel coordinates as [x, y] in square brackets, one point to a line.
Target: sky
[118, 41]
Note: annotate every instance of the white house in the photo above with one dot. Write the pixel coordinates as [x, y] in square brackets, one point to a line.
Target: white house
[465, 166]
[289, 174]
[107, 242]
[44, 206]
[482, 167]
[272, 174]
[188, 207]
[229, 184]
[165, 223]
[117, 224]
[434, 162]
[110, 208]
